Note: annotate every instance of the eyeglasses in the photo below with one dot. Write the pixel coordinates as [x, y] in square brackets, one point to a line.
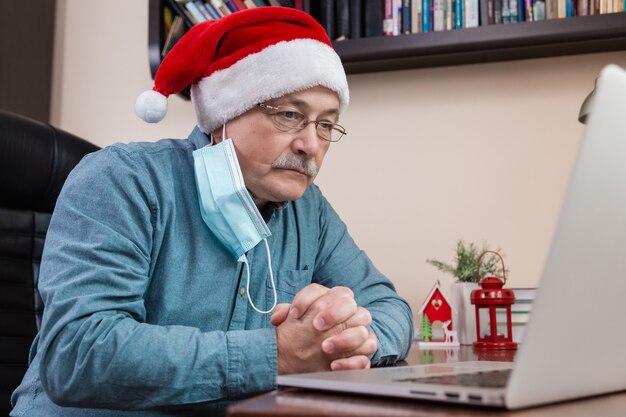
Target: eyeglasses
[288, 119]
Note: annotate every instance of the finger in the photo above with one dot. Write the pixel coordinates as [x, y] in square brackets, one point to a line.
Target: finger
[368, 348]
[304, 298]
[362, 317]
[332, 308]
[353, 362]
[353, 341]
[279, 314]
[335, 312]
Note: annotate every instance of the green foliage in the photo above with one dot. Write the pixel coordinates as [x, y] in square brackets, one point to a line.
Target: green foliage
[426, 330]
[466, 257]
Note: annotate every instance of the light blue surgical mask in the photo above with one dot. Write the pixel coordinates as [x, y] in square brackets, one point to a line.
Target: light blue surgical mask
[227, 207]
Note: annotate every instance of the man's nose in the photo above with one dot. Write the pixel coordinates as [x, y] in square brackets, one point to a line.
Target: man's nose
[307, 142]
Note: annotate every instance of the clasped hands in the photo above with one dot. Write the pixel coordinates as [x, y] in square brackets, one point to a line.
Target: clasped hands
[323, 329]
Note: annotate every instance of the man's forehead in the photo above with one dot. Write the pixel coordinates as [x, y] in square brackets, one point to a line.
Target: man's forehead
[303, 99]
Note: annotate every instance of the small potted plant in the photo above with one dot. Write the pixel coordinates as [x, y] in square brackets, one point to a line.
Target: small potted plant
[464, 269]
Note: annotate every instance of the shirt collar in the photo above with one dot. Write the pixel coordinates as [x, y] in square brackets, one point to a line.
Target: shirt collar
[198, 138]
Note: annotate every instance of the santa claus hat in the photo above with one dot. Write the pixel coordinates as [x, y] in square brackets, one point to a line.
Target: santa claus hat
[243, 59]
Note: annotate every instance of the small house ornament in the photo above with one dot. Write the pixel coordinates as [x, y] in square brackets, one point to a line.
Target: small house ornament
[493, 302]
[437, 308]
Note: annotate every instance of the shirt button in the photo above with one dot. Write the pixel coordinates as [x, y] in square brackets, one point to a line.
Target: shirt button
[242, 291]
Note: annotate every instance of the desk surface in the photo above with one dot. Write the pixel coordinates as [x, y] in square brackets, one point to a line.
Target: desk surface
[297, 402]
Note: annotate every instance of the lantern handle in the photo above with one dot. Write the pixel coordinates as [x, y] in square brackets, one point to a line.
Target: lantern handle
[481, 257]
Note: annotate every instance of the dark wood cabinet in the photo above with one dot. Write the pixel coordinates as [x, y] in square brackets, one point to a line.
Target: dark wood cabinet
[26, 45]
[569, 36]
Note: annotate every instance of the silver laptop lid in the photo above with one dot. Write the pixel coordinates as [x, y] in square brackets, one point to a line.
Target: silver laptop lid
[575, 340]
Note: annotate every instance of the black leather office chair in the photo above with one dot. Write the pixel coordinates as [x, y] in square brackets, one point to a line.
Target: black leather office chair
[35, 159]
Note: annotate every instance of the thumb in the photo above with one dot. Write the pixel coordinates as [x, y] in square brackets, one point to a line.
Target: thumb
[280, 313]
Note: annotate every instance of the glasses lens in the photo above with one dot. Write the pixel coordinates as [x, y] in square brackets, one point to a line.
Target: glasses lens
[325, 130]
[289, 118]
[336, 135]
[330, 131]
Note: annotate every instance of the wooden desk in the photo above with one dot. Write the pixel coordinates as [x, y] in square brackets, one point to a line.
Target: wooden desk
[297, 402]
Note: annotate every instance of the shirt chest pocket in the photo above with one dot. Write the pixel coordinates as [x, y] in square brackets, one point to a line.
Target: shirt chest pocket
[288, 283]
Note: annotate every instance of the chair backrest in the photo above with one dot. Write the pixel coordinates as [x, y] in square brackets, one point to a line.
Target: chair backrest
[35, 159]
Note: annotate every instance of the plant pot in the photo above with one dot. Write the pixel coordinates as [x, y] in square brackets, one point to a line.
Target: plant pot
[464, 318]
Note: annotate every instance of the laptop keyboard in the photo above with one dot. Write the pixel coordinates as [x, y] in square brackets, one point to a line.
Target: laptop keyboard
[485, 379]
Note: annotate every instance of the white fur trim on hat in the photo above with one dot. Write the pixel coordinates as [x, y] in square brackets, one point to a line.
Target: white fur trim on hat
[277, 70]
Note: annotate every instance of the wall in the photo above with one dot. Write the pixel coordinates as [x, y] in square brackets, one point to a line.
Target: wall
[479, 152]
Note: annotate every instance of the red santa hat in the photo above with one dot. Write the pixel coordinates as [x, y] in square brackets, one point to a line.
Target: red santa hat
[243, 59]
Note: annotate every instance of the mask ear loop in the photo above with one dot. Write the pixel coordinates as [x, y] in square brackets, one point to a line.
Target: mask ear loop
[269, 264]
[211, 141]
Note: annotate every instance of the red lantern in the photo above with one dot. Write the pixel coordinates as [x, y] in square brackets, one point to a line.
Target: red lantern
[492, 303]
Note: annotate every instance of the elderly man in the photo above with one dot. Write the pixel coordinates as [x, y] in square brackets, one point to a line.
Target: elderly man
[162, 259]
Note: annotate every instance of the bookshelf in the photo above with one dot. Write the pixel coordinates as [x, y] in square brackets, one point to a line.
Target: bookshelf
[491, 43]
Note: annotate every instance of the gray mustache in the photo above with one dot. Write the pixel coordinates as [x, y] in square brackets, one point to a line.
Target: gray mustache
[295, 162]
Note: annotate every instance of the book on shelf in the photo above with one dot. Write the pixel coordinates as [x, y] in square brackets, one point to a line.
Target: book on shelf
[196, 14]
[521, 311]
[240, 5]
[205, 11]
[438, 17]
[497, 12]
[397, 16]
[373, 17]
[211, 10]
[517, 317]
[388, 18]
[342, 20]
[416, 16]
[426, 15]
[406, 17]
[506, 11]
[356, 19]
[177, 29]
[220, 7]
[472, 13]
[551, 9]
[524, 294]
[230, 5]
[486, 12]
[179, 8]
[168, 19]
[448, 14]
[326, 16]
[539, 10]
[512, 5]
[304, 5]
[517, 330]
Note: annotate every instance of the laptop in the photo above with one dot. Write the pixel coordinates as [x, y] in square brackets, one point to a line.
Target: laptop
[575, 342]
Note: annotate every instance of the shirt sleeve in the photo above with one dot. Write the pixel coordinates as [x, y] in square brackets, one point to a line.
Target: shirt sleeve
[96, 345]
[341, 262]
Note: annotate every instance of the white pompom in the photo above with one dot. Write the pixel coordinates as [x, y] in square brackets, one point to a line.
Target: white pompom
[151, 106]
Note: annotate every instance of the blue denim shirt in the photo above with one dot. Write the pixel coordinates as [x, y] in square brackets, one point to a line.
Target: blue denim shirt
[144, 308]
